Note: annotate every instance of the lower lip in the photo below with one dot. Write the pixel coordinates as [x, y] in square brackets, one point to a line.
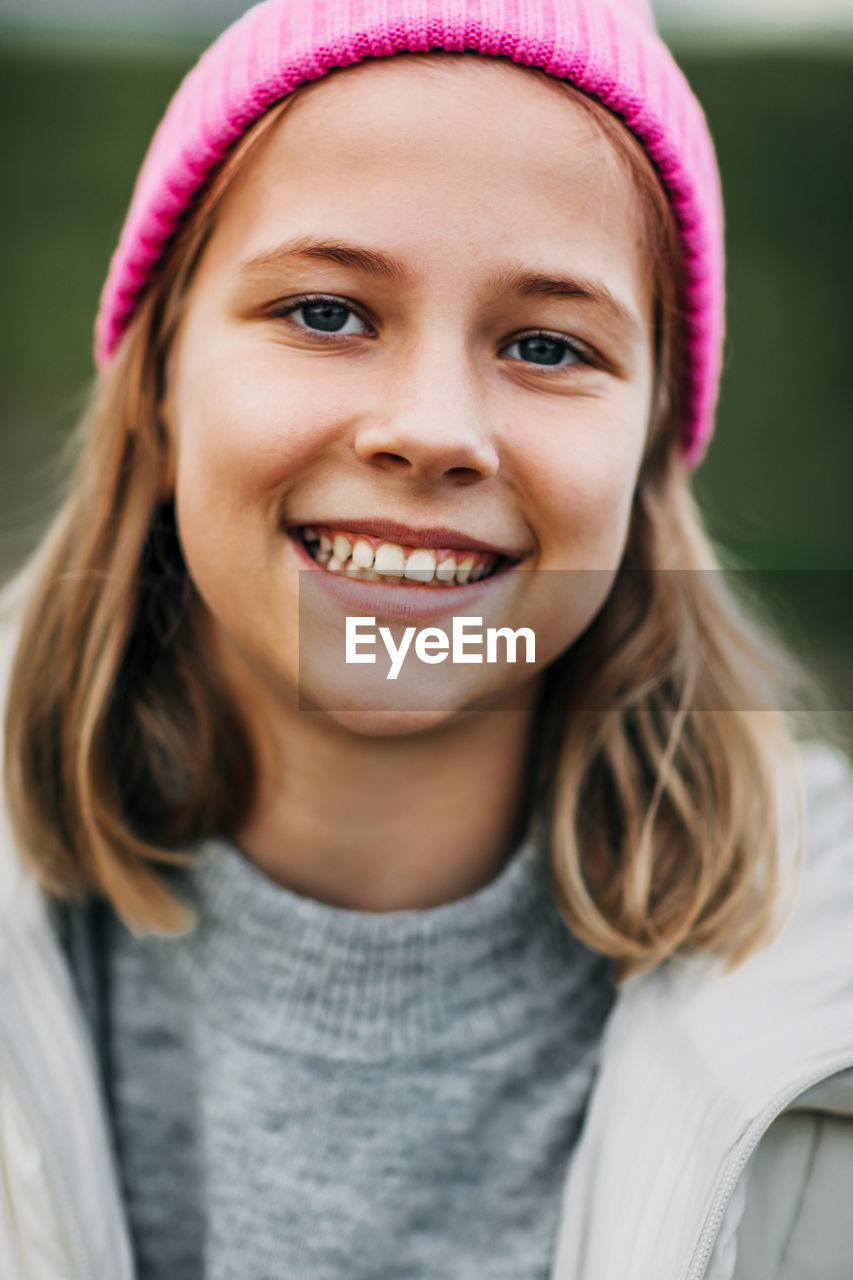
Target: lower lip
[384, 600]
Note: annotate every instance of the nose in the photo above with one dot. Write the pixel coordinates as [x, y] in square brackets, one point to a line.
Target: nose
[434, 423]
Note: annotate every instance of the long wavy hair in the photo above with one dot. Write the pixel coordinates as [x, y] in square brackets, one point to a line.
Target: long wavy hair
[657, 773]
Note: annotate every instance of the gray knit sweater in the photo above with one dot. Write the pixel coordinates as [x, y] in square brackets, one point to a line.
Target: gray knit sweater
[307, 1092]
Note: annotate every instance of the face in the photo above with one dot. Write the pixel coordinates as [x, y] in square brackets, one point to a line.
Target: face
[424, 302]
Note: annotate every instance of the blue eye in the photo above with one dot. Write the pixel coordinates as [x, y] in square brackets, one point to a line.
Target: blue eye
[326, 315]
[543, 349]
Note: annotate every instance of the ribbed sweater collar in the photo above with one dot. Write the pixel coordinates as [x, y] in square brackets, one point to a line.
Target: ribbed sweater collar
[370, 986]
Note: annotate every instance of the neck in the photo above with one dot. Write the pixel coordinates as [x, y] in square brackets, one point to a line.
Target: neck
[389, 823]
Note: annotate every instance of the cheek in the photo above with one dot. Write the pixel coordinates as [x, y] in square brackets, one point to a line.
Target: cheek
[245, 424]
[584, 478]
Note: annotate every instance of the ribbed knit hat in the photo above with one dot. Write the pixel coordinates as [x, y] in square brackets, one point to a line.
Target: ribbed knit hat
[607, 48]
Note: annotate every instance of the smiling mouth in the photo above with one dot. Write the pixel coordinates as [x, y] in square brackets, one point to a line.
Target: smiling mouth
[372, 559]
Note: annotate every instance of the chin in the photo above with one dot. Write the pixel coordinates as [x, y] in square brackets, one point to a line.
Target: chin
[385, 724]
[392, 712]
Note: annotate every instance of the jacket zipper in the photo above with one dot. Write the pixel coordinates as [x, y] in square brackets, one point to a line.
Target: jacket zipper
[762, 1122]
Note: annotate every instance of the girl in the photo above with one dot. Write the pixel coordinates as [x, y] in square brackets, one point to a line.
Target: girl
[531, 969]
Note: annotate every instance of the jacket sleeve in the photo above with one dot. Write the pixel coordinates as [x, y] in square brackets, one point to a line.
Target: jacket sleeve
[797, 1221]
[31, 1240]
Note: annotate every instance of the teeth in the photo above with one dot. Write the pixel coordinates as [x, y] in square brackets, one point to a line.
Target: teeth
[357, 558]
[362, 554]
[420, 566]
[352, 570]
[390, 560]
[446, 571]
[342, 547]
[463, 569]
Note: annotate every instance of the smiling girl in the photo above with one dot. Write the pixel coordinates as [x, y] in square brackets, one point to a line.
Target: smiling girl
[528, 970]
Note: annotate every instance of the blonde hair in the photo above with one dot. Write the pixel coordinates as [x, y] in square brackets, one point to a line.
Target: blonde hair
[658, 780]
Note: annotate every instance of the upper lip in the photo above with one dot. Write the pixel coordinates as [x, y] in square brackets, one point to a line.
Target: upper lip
[406, 535]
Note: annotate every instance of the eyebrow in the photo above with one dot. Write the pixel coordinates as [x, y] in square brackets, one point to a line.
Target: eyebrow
[369, 261]
[372, 262]
[533, 284]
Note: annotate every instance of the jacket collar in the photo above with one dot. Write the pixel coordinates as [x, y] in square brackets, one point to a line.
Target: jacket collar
[697, 1063]
[47, 1059]
[46, 1056]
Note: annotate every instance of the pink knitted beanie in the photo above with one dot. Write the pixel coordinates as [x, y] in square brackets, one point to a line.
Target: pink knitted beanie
[608, 48]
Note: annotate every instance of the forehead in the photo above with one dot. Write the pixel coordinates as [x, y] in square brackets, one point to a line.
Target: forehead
[459, 156]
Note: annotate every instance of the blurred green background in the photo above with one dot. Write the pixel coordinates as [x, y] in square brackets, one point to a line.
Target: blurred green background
[776, 482]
